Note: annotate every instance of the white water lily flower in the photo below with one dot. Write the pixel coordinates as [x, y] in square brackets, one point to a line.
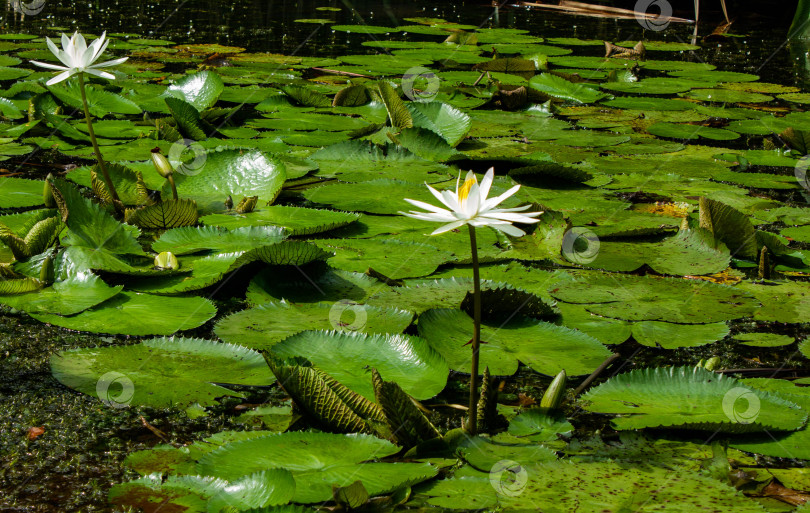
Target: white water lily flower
[470, 205]
[77, 57]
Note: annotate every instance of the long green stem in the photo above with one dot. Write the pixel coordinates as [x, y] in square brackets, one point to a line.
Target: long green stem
[99, 158]
[472, 425]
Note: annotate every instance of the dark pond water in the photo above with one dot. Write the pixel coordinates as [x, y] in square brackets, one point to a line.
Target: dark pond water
[270, 26]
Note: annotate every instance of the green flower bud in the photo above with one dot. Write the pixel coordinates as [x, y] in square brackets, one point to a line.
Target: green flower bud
[162, 164]
[166, 260]
[47, 192]
[46, 273]
[555, 394]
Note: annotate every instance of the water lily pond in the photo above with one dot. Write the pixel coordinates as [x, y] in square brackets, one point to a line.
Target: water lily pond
[385, 258]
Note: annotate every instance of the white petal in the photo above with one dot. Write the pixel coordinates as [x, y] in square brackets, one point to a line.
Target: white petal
[448, 227]
[494, 202]
[440, 196]
[486, 183]
[66, 42]
[451, 200]
[79, 43]
[50, 66]
[510, 230]
[107, 64]
[471, 204]
[426, 206]
[424, 216]
[62, 76]
[512, 218]
[98, 73]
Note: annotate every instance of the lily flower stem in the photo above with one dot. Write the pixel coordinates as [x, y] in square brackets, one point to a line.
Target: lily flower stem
[101, 165]
[170, 178]
[473, 419]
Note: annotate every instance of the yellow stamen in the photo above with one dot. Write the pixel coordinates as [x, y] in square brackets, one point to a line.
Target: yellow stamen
[464, 191]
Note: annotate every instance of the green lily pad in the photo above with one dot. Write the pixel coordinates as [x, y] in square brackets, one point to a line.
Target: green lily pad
[312, 286]
[231, 173]
[131, 313]
[673, 336]
[661, 299]
[544, 347]
[727, 96]
[262, 327]
[558, 87]
[295, 220]
[317, 461]
[181, 241]
[19, 192]
[392, 258]
[363, 29]
[348, 357]
[681, 131]
[758, 339]
[66, 297]
[691, 398]
[201, 89]
[160, 372]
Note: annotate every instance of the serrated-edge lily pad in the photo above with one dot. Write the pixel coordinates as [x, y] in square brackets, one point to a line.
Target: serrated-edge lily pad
[348, 357]
[545, 347]
[130, 313]
[691, 398]
[264, 326]
[317, 461]
[160, 372]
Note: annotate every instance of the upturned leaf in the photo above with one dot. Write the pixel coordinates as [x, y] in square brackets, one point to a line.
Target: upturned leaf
[398, 113]
[408, 425]
[172, 213]
[322, 400]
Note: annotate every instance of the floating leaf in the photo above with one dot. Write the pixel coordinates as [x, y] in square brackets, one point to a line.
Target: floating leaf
[348, 357]
[691, 398]
[160, 372]
[137, 314]
[264, 326]
[544, 347]
[317, 461]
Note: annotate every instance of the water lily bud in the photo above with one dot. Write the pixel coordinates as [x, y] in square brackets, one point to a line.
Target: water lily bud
[47, 192]
[712, 363]
[166, 260]
[229, 202]
[555, 394]
[162, 164]
[247, 205]
[46, 274]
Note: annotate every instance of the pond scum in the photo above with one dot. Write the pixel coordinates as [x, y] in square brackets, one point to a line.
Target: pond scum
[277, 337]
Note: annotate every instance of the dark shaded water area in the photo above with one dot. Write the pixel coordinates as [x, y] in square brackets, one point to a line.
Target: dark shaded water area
[72, 467]
[759, 44]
